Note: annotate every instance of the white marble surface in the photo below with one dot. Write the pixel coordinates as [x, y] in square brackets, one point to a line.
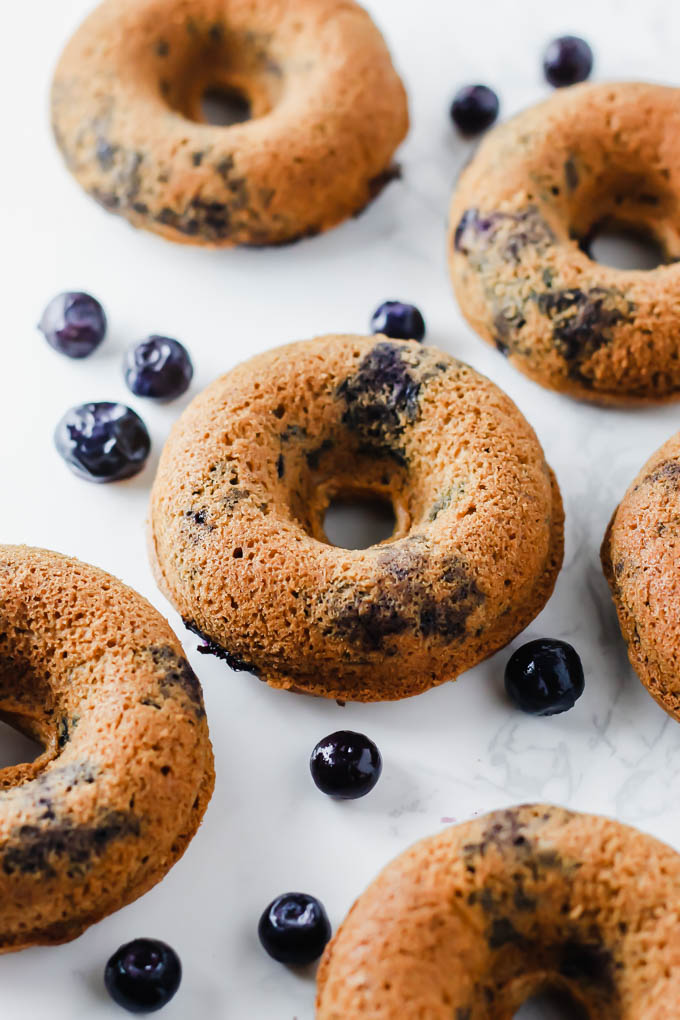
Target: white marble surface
[455, 752]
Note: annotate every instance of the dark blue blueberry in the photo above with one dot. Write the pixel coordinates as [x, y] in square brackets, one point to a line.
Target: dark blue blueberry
[103, 442]
[143, 975]
[474, 109]
[294, 929]
[346, 765]
[398, 321]
[158, 367]
[567, 60]
[74, 324]
[544, 677]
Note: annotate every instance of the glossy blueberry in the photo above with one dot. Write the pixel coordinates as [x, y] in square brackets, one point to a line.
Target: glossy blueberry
[143, 975]
[398, 321]
[474, 108]
[158, 367]
[345, 765]
[567, 60]
[74, 324]
[294, 929]
[103, 442]
[544, 677]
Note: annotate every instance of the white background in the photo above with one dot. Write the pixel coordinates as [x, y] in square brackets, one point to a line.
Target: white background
[448, 754]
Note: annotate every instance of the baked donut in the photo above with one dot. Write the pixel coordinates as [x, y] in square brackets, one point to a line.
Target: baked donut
[328, 110]
[92, 671]
[468, 924]
[237, 518]
[640, 558]
[523, 214]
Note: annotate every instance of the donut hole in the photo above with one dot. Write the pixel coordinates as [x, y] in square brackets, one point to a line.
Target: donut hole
[16, 746]
[220, 76]
[551, 1004]
[224, 105]
[359, 520]
[344, 496]
[623, 246]
[31, 731]
[626, 218]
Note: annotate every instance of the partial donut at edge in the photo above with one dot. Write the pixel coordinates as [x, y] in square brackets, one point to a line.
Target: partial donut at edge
[93, 672]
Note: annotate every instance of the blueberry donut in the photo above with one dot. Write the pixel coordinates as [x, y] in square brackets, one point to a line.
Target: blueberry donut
[640, 558]
[468, 924]
[523, 215]
[237, 518]
[327, 111]
[92, 671]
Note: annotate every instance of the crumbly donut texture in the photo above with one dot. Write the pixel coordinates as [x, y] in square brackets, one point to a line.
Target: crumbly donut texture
[236, 524]
[470, 923]
[328, 111]
[641, 561]
[93, 672]
[520, 223]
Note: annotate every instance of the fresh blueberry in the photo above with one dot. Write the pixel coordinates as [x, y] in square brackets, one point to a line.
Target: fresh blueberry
[345, 765]
[74, 324]
[158, 367]
[294, 929]
[103, 442]
[398, 321]
[474, 108]
[567, 60]
[143, 975]
[544, 677]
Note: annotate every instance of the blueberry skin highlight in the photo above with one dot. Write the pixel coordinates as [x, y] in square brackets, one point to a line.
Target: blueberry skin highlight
[143, 975]
[399, 321]
[294, 929]
[567, 60]
[544, 677]
[74, 324]
[474, 109]
[345, 765]
[159, 368]
[102, 442]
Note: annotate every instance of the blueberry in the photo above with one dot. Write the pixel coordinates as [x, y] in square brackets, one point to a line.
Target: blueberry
[294, 929]
[102, 442]
[544, 677]
[474, 108]
[158, 367]
[142, 976]
[567, 60]
[345, 765]
[74, 324]
[398, 321]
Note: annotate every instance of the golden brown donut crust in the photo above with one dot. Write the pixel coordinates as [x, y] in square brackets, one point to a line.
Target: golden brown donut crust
[525, 206]
[470, 923]
[640, 559]
[328, 112]
[238, 504]
[93, 672]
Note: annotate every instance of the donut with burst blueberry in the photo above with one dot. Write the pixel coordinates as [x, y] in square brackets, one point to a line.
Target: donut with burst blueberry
[321, 112]
[497, 909]
[237, 537]
[640, 558]
[522, 219]
[90, 670]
